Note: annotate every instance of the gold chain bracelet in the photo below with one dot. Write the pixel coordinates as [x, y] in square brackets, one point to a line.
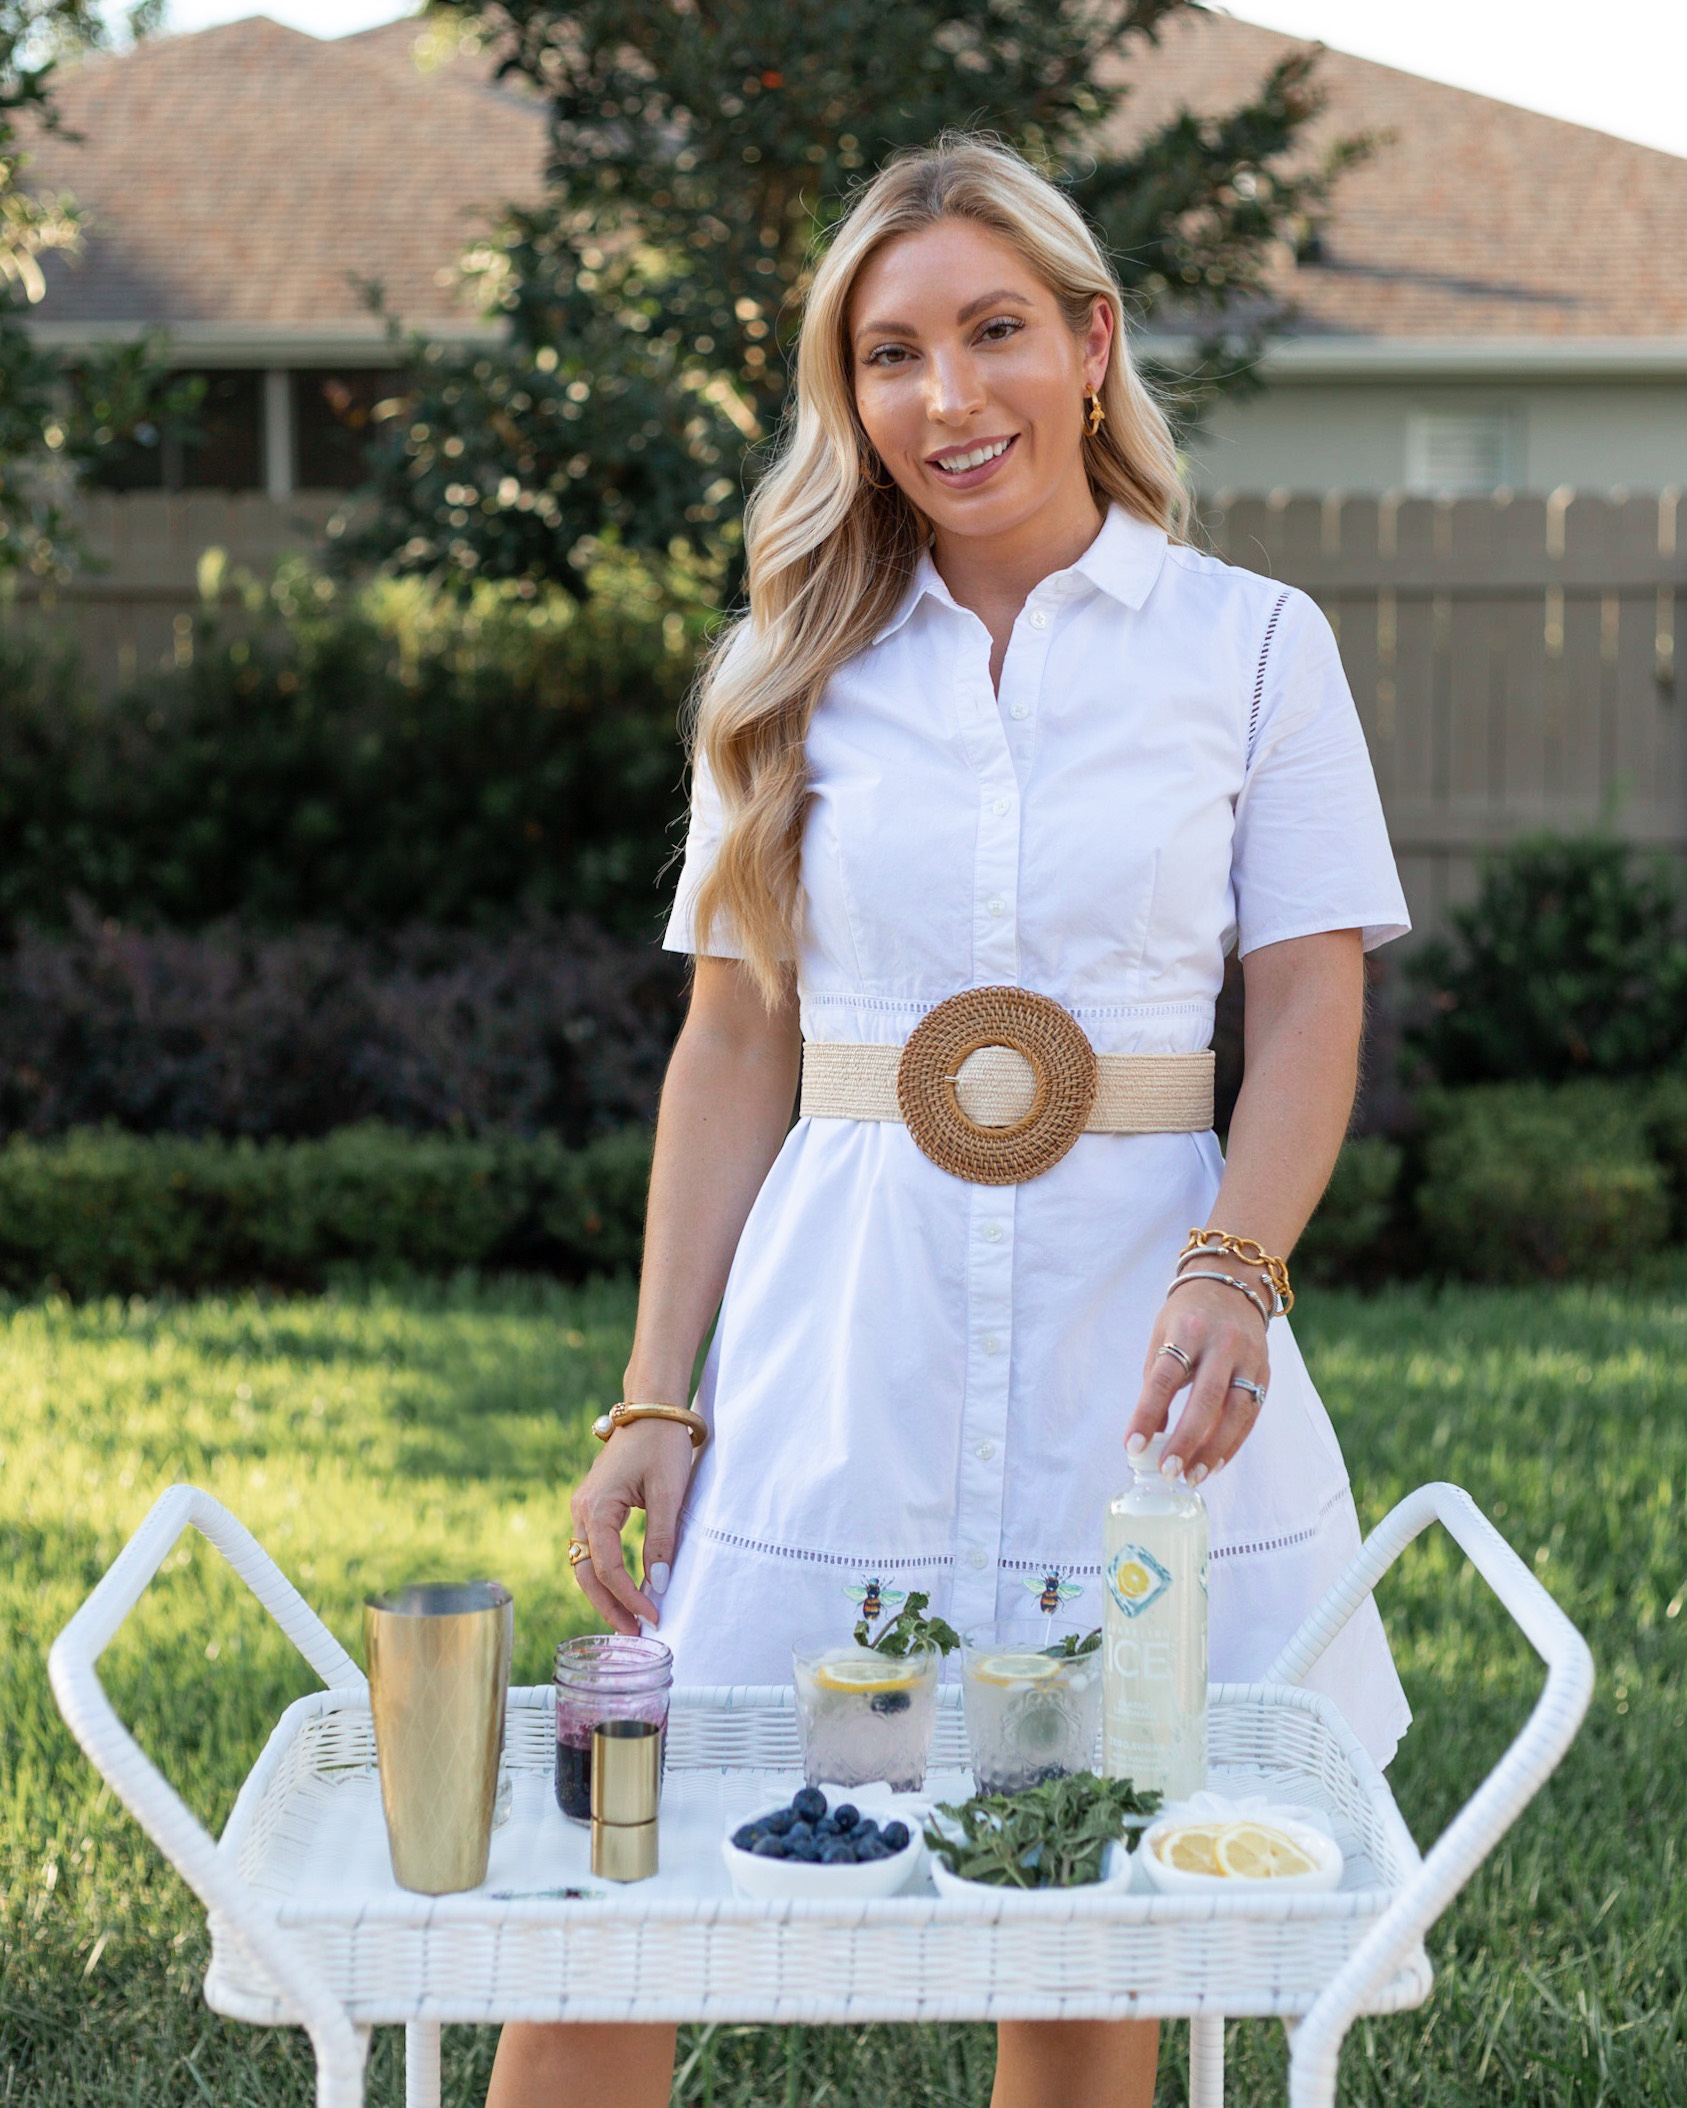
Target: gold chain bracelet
[627, 1411]
[1211, 1243]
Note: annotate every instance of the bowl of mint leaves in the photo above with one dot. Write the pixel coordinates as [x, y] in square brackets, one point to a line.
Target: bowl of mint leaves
[1072, 1832]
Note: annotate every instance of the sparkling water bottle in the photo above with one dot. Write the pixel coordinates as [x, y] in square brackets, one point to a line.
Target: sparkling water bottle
[1154, 1701]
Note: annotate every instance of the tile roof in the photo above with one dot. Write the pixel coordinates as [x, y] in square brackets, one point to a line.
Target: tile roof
[249, 176]
[1479, 219]
[246, 177]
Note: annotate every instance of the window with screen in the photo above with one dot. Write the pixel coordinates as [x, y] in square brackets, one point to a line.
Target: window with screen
[1461, 452]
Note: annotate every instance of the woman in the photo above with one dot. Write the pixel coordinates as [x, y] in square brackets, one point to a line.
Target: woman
[990, 721]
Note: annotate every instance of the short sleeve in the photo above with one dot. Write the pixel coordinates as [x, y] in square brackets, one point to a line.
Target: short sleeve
[1311, 850]
[702, 839]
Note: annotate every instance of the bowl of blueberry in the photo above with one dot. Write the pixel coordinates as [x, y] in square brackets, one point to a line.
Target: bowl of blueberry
[811, 1847]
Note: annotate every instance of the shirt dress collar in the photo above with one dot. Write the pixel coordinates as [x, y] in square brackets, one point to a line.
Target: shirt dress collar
[1123, 561]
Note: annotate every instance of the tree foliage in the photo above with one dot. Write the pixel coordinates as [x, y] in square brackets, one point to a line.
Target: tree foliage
[698, 153]
[55, 421]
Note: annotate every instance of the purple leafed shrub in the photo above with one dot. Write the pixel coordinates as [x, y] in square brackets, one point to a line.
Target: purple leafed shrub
[552, 1026]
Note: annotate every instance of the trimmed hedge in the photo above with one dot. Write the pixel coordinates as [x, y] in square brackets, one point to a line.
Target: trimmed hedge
[1524, 1181]
[103, 1213]
[1341, 1239]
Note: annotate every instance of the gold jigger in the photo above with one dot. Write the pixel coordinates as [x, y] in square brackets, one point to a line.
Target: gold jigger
[439, 1673]
[626, 1787]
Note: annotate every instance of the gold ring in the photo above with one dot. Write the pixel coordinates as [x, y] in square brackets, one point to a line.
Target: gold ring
[578, 1551]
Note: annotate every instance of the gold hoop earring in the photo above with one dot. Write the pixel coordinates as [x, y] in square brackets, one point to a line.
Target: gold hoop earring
[1095, 416]
[872, 482]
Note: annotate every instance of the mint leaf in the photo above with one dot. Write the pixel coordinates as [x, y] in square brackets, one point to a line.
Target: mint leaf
[909, 1628]
[1050, 1836]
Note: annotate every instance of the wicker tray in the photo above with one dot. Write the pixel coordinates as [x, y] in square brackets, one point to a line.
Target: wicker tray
[309, 1927]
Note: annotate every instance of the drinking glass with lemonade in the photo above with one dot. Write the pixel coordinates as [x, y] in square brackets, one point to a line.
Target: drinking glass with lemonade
[863, 1715]
[1032, 1694]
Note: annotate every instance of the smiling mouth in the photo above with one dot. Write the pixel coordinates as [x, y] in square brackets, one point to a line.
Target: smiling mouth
[962, 463]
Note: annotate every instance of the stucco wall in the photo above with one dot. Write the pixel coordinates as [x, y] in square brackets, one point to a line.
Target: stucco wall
[1338, 435]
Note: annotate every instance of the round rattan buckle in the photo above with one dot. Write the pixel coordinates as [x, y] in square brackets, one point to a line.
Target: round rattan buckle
[1062, 1063]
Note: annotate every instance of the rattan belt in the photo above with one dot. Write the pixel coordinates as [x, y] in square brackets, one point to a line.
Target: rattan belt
[996, 1084]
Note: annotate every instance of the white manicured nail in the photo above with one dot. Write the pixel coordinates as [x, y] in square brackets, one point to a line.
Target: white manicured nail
[1172, 1468]
[657, 1578]
[1136, 1445]
[1198, 1474]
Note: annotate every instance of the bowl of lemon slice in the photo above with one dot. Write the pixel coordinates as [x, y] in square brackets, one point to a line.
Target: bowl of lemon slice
[1241, 1847]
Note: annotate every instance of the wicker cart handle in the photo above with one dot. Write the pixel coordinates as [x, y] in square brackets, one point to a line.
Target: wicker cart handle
[1496, 1803]
[154, 1803]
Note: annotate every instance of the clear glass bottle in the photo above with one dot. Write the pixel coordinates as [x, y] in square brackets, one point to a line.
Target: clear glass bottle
[604, 1676]
[1154, 1694]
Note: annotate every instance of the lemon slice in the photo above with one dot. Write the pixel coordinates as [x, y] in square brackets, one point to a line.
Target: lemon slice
[857, 1673]
[1191, 1849]
[1256, 1852]
[1015, 1668]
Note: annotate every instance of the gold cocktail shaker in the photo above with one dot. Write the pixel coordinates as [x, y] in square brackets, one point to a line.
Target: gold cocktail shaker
[626, 1787]
[439, 1673]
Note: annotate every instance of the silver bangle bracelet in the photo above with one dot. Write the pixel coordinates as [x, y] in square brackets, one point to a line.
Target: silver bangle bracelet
[1278, 1306]
[1230, 1281]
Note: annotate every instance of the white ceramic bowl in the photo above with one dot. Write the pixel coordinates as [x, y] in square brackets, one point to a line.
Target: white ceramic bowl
[1115, 1875]
[1176, 1881]
[781, 1880]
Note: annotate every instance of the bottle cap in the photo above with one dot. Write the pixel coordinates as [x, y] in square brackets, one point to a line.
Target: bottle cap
[1146, 1462]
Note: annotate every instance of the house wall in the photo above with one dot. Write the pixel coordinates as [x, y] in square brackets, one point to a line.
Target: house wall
[1336, 435]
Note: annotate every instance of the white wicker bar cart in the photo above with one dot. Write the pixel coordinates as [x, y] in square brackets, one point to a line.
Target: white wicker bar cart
[309, 1929]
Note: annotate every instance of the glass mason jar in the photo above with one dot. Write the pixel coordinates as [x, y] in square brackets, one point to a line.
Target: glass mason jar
[604, 1676]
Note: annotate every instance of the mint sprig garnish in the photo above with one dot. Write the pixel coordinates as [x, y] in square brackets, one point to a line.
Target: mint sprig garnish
[1050, 1836]
[1069, 1646]
[909, 1628]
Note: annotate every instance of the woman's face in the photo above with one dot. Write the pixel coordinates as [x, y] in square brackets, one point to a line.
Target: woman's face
[969, 381]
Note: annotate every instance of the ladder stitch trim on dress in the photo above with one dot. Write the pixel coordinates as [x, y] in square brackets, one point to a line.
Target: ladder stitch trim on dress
[1259, 677]
[853, 1559]
[1281, 1544]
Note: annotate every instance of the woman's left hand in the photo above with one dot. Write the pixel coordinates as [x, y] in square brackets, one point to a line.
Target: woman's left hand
[1223, 1337]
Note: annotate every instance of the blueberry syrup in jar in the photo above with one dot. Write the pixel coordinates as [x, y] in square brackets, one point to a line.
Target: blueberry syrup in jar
[605, 1676]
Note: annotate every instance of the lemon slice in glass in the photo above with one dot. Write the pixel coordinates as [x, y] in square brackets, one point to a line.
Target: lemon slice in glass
[1256, 1852]
[1015, 1668]
[1191, 1848]
[856, 1672]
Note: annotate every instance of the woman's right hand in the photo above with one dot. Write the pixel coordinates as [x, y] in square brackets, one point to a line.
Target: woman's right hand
[647, 1465]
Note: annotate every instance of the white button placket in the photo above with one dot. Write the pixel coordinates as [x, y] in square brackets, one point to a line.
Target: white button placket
[982, 1456]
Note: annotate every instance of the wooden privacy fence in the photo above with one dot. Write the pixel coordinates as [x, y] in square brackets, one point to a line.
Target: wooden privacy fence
[1513, 658]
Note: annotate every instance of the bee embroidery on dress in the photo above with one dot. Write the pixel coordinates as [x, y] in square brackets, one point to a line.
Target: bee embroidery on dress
[874, 1598]
[1051, 1591]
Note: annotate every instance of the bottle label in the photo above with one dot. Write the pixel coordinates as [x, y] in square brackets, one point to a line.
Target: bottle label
[1136, 1579]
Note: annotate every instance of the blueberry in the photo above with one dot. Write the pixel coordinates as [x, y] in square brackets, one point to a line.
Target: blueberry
[864, 1829]
[806, 1849]
[891, 1702]
[799, 1833]
[867, 1849]
[827, 1826]
[769, 1847]
[778, 1822]
[809, 1805]
[846, 1817]
[837, 1851]
[748, 1836]
[895, 1836]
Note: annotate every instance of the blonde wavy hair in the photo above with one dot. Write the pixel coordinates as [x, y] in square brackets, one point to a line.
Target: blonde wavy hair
[829, 554]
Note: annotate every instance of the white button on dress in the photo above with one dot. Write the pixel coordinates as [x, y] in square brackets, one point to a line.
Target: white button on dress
[918, 1383]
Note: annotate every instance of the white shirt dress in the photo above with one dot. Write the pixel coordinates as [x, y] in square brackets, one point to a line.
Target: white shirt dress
[921, 1383]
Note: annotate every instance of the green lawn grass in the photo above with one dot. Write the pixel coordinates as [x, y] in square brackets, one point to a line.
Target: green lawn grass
[370, 1437]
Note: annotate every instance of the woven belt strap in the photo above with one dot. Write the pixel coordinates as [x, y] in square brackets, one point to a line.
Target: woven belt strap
[1135, 1094]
